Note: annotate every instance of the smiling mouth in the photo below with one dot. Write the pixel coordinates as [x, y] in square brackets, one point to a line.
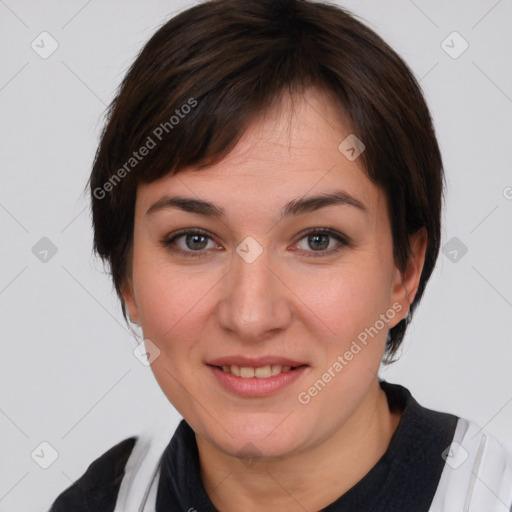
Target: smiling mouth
[260, 372]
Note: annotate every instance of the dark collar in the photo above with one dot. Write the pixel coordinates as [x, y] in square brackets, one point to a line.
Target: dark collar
[404, 479]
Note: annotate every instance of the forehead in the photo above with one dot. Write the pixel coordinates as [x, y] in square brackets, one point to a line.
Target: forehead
[290, 151]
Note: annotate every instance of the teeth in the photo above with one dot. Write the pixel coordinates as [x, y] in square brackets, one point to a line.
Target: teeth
[246, 372]
[276, 369]
[262, 372]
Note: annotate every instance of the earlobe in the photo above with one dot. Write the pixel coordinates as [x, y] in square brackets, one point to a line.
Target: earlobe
[406, 282]
[129, 300]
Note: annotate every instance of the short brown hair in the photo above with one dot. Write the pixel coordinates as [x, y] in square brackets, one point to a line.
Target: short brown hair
[230, 60]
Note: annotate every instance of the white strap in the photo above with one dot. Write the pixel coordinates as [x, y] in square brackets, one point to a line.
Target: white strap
[139, 485]
[477, 476]
[149, 502]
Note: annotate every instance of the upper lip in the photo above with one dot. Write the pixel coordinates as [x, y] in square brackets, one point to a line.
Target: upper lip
[254, 362]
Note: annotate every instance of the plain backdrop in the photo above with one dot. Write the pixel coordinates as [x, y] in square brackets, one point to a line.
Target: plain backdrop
[68, 376]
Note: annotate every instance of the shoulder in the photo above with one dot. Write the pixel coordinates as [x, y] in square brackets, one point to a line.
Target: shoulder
[469, 468]
[97, 489]
[477, 472]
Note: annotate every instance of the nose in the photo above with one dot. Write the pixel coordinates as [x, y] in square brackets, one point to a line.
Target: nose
[256, 302]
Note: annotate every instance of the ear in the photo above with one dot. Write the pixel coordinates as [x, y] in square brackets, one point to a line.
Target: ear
[129, 300]
[405, 283]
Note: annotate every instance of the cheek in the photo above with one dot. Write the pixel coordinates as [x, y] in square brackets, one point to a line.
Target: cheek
[174, 308]
[348, 299]
[350, 302]
[170, 300]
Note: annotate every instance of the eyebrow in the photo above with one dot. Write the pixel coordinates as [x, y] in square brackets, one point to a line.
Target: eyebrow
[295, 207]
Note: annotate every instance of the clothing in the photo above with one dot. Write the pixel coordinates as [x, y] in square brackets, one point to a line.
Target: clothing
[435, 462]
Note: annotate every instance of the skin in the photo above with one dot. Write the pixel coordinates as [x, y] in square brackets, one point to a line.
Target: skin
[288, 302]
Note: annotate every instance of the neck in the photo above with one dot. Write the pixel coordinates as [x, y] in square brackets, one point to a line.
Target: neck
[330, 469]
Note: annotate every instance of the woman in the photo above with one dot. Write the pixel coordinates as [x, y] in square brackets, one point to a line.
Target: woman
[268, 193]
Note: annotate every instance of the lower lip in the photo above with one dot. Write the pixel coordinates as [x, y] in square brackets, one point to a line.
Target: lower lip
[256, 386]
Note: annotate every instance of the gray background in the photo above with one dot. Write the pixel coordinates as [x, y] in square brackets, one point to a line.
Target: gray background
[68, 376]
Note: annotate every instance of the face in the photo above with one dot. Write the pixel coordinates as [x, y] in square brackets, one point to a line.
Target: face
[263, 278]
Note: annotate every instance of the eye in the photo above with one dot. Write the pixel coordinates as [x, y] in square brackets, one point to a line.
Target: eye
[319, 241]
[192, 242]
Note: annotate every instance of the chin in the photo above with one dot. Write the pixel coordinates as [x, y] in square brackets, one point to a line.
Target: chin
[255, 439]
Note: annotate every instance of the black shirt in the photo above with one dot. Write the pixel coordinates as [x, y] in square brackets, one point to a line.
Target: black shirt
[404, 479]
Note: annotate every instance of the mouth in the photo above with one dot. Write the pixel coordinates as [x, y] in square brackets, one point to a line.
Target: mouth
[259, 372]
[256, 377]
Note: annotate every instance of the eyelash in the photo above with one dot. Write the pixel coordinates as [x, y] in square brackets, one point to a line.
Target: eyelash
[343, 242]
